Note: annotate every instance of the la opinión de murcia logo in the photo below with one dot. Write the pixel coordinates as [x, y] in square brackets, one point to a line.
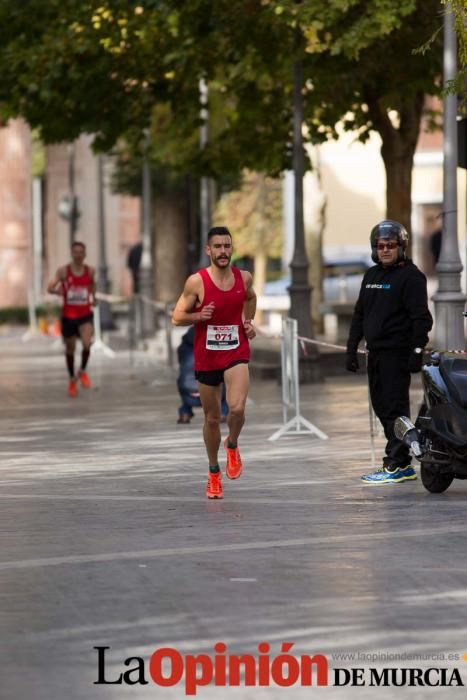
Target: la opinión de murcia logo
[167, 667]
[399, 677]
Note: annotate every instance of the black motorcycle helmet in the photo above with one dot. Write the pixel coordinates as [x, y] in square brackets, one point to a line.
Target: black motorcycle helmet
[389, 229]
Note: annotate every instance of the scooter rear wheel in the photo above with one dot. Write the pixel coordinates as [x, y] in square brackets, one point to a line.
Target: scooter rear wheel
[433, 481]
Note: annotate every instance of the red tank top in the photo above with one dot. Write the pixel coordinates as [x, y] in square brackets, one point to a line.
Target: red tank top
[76, 293]
[221, 341]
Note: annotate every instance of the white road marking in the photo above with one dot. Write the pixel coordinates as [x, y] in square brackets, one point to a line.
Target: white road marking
[243, 580]
[172, 499]
[208, 549]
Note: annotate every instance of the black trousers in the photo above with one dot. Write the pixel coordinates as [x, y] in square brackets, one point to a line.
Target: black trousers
[389, 381]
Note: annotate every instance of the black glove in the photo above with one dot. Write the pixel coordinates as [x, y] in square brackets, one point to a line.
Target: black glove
[351, 362]
[415, 362]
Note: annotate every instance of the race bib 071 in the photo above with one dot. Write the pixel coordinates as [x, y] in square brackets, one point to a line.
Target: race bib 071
[222, 338]
[77, 296]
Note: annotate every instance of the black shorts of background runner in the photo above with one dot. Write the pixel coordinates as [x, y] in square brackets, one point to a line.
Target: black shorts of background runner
[70, 326]
[216, 376]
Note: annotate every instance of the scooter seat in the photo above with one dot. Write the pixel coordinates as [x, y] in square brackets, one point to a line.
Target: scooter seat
[454, 372]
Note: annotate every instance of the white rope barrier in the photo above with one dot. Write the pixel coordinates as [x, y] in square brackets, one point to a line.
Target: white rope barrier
[163, 306]
[375, 425]
[112, 298]
[290, 386]
[312, 341]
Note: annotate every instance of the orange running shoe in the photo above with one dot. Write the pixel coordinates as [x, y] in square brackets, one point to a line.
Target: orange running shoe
[73, 388]
[84, 379]
[234, 464]
[214, 486]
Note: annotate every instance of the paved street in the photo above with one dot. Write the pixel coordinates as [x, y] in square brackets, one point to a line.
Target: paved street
[108, 540]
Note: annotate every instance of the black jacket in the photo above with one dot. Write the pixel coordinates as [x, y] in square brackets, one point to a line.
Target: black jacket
[134, 263]
[391, 312]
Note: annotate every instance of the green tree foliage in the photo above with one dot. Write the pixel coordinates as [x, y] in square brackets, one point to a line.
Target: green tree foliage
[253, 214]
[379, 87]
[74, 66]
[459, 8]
[458, 85]
[114, 67]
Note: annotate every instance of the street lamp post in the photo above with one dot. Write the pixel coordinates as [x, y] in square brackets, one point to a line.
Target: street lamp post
[146, 269]
[74, 212]
[205, 184]
[103, 284]
[449, 299]
[300, 290]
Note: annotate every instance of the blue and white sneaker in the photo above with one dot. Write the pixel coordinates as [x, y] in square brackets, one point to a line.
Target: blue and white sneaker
[383, 475]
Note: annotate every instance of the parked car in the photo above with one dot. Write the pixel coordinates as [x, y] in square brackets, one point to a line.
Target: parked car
[341, 280]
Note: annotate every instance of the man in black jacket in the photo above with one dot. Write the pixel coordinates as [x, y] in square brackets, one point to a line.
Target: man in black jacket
[392, 315]
[134, 264]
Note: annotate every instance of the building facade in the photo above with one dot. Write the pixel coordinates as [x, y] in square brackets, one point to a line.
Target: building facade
[344, 198]
[35, 238]
[15, 214]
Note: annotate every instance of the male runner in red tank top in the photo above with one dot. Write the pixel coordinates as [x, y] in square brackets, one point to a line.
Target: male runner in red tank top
[75, 282]
[220, 301]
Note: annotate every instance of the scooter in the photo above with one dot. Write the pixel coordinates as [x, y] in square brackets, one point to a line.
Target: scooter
[439, 437]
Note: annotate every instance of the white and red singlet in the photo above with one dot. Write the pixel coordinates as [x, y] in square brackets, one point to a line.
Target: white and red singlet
[77, 293]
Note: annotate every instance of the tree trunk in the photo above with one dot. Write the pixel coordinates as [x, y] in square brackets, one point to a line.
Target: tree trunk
[397, 150]
[399, 186]
[260, 256]
[299, 290]
[315, 217]
[315, 256]
[170, 257]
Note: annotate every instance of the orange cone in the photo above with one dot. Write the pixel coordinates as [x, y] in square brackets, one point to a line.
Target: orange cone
[55, 329]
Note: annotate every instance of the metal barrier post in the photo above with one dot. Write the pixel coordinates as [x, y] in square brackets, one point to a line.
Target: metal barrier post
[132, 326]
[168, 334]
[372, 420]
[285, 370]
[33, 329]
[98, 343]
[290, 385]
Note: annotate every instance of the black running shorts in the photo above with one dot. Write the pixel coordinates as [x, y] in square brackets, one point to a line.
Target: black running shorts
[70, 326]
[216, 376]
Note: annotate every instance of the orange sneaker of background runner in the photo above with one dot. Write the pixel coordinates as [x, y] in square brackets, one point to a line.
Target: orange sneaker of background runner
[72, 387]
[214, 486]
[234, 464]
[84, 379]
